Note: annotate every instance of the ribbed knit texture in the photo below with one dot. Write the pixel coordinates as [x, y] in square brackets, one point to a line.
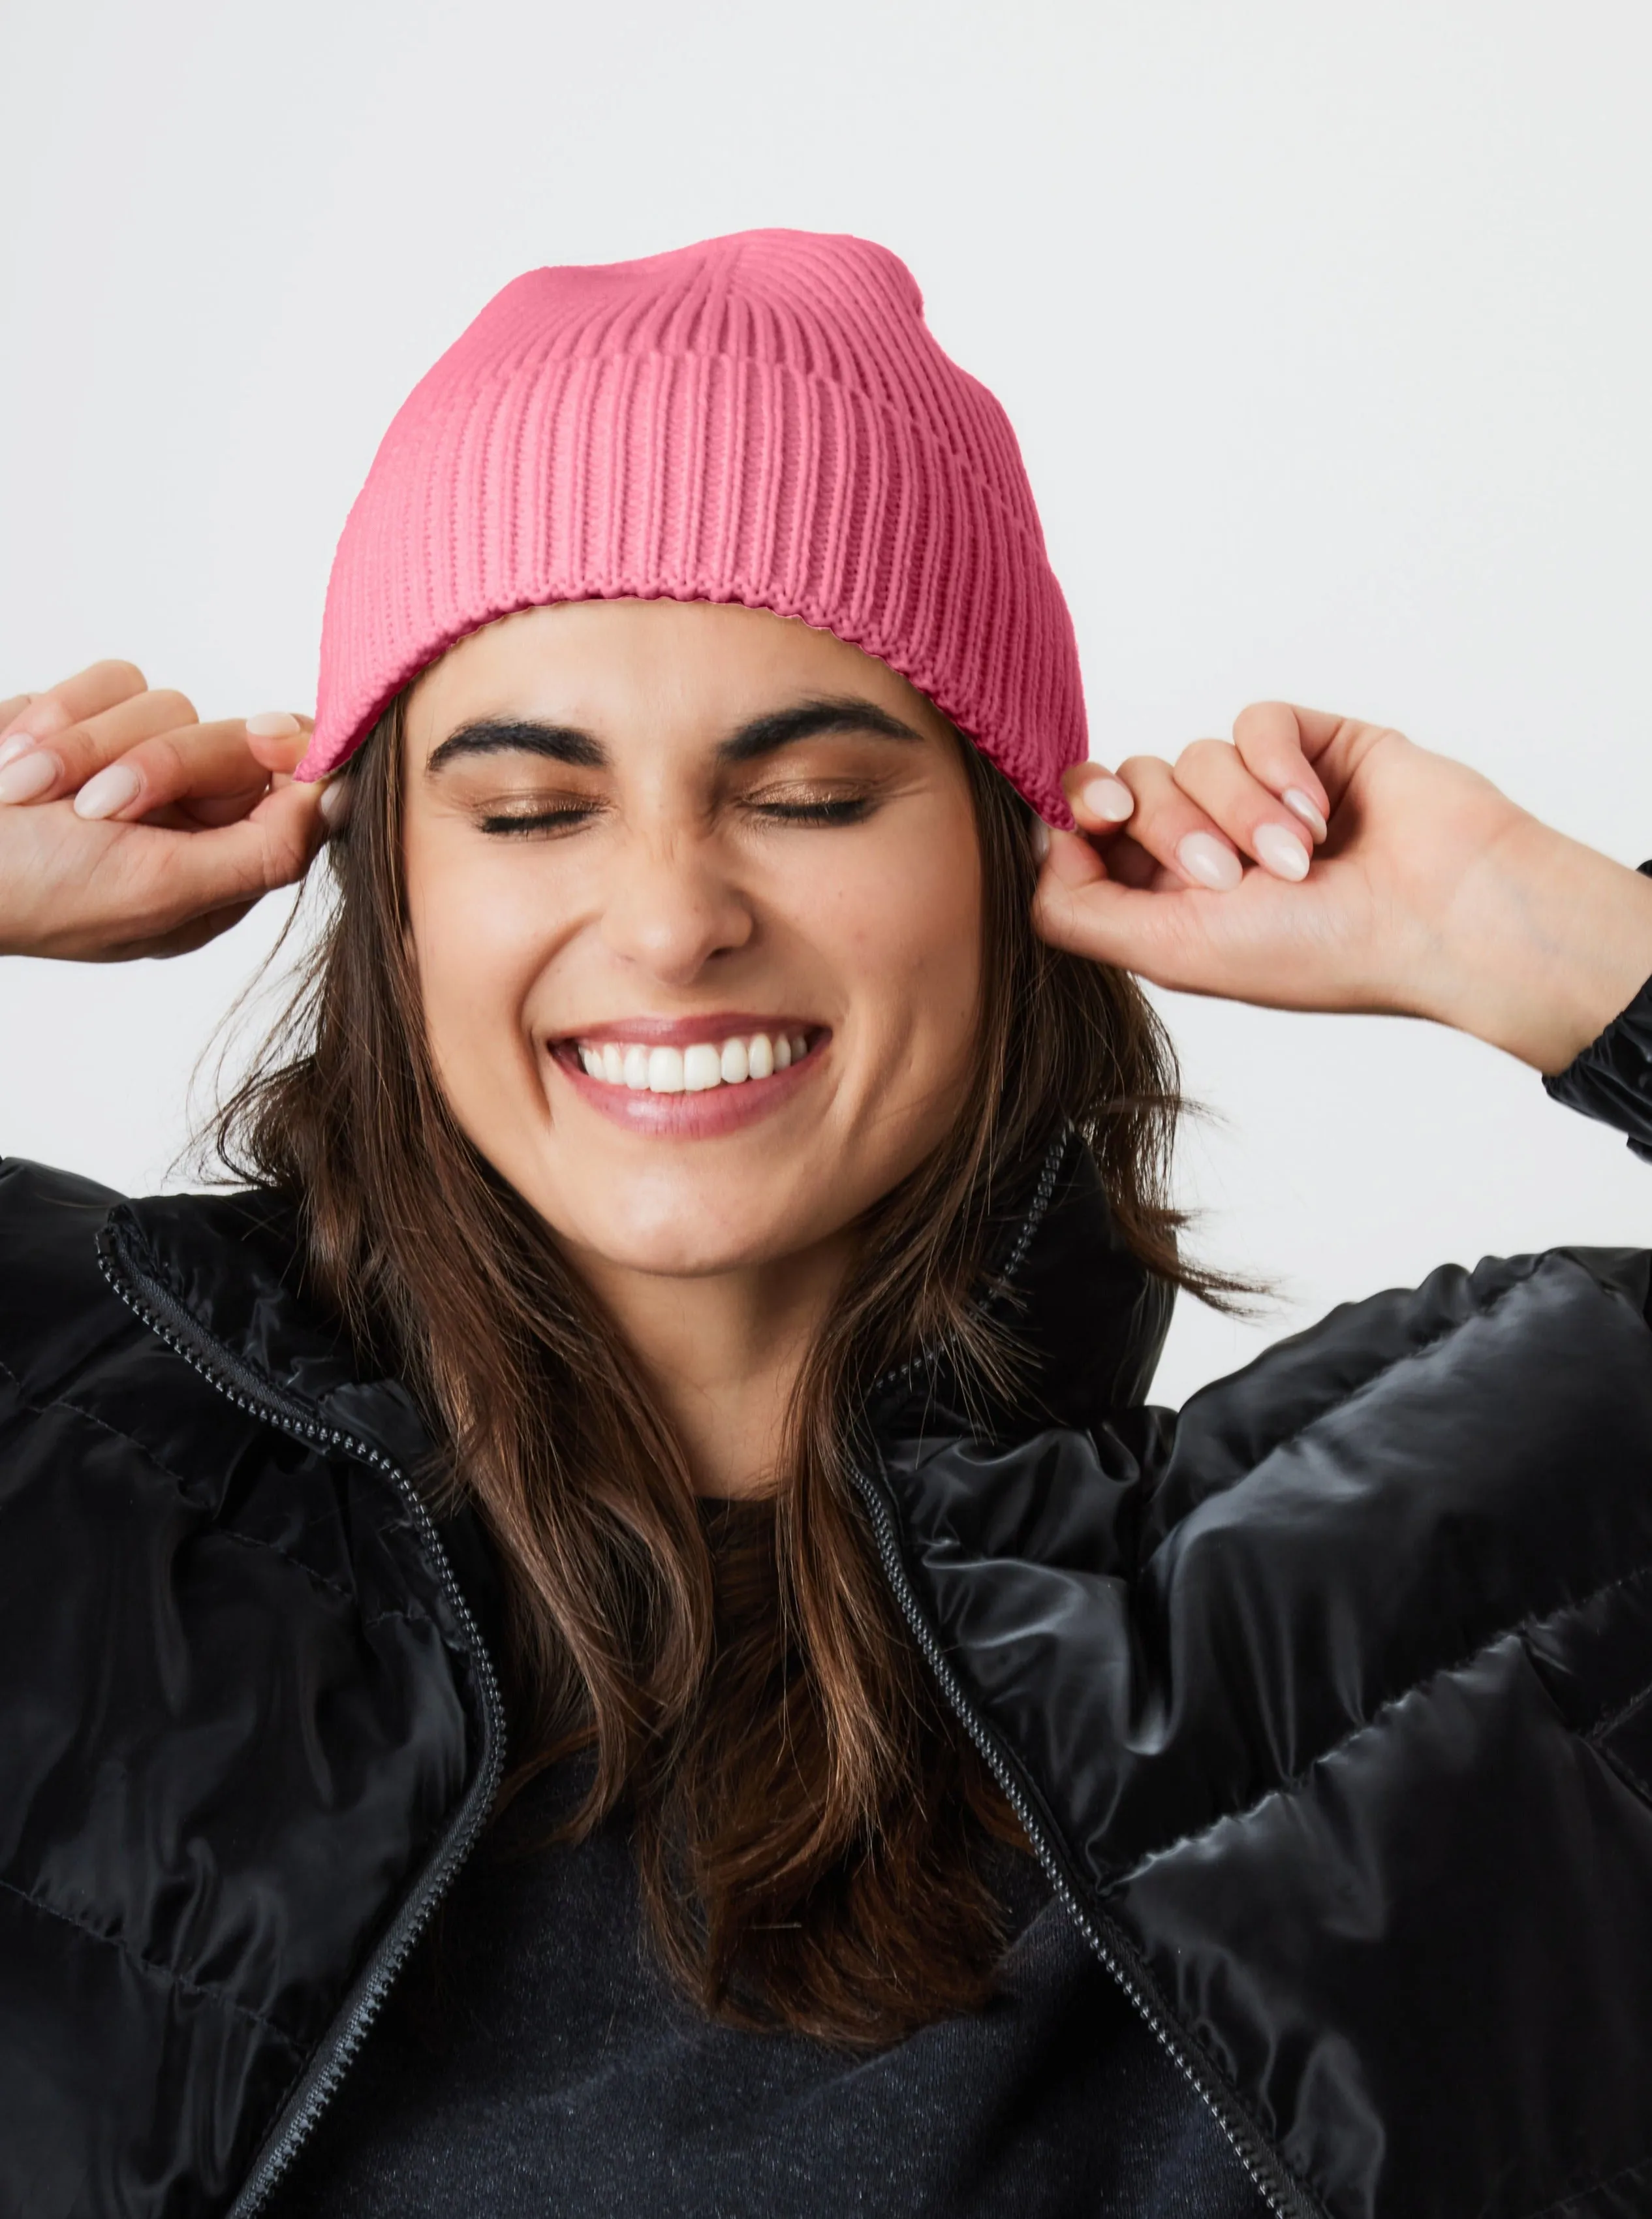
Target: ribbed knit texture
[762, 419]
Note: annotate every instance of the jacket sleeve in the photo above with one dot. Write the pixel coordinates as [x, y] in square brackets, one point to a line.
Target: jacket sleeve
[1611, 1080]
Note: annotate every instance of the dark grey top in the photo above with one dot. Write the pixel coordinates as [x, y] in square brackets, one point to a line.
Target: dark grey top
[536, 2061]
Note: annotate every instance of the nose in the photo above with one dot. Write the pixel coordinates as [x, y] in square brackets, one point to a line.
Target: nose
[670, 907]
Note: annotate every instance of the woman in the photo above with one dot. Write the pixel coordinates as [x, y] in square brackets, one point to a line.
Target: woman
[612, 1630]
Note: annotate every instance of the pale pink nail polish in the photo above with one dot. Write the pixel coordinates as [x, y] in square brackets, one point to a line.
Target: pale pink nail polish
[273, 725]
[1108, 798]
[112, 789]
[18, 744]
[27, 777]
[1205, 859]
[1300, 805]
[1279, 850]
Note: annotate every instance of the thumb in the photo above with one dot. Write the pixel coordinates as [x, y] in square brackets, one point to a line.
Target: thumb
[277, 739]
[1075, 906]
[1070, 859]
[223, 866]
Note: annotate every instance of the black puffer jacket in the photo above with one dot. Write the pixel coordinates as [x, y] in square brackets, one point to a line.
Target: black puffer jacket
[1328, 1705]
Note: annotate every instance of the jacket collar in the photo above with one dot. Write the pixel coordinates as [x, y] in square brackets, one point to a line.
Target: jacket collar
[1090, 1320]
[222, 1274]
[218, 1276]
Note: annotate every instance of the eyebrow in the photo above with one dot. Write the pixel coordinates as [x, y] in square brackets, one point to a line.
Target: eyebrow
[762, 736]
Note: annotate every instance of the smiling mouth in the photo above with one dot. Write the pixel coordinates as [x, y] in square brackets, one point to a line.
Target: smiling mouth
[694, 1067]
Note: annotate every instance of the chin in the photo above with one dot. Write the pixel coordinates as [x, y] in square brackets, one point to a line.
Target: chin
[675, 1252]
[659, 1229]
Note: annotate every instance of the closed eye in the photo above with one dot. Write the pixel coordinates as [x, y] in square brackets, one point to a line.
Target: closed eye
[520, 823]
[849, 811]
[529, 822]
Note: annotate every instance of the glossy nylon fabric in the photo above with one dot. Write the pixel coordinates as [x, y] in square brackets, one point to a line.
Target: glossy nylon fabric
[240, 1715]
[1336, 1695]
[1331, 1701]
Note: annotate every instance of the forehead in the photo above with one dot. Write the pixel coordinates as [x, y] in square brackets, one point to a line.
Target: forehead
[694, 669]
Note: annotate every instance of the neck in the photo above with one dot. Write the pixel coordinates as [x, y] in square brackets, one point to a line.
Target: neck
[724, 1353]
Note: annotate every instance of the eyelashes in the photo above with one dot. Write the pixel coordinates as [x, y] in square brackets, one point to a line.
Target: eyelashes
[519, 823]
[847, 811]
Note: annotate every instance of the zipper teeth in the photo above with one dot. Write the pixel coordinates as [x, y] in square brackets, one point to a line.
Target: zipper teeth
[1254, 2158]
[1054, 1156]
[256, 2192]
[267, 2171]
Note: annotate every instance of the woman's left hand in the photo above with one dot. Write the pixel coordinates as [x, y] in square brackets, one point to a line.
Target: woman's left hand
[1317, 863]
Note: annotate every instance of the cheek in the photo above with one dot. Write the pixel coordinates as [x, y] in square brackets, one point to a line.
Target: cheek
[477, 954]
[908, 926]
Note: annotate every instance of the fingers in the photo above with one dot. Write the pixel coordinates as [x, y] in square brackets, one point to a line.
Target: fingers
[108, 892]
[160, 831]
[1099, 802]
[1079, 906]
[63, 761]
[238, 863]
[1170, 833]
[205, 762]
[1214, 775]
[1134, 888]
[41, 716]
[165, 903]
[214, 769]
[1256, 799]
[1176, 831]
[1273, 739]
[278, 739]
[40, 765]
[145, 753]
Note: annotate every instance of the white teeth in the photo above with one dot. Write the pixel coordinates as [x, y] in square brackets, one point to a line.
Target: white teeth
[696, 1069]
[665, 1071]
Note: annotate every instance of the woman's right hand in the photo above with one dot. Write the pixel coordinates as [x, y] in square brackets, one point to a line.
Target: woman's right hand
[129, 828]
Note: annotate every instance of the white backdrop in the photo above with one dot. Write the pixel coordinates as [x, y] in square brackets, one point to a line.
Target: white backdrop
[1325, 327]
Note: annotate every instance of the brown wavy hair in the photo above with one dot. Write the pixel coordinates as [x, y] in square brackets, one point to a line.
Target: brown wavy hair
[809, 1820]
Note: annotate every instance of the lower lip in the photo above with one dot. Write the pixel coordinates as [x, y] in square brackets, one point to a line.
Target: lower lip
[687, 1116]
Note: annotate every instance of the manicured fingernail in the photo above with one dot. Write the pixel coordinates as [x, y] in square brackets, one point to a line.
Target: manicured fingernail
[111, 790]
[26, 777]
[1040, 831]
[1203, 857]
[273, 725]
[18, 744]
[1109, 798]
[334, 806]
[1301, 805]
[1280, 851]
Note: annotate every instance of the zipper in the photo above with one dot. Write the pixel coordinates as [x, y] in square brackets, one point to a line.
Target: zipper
[169, 1321]
[1267, 2172]
[173, 1325]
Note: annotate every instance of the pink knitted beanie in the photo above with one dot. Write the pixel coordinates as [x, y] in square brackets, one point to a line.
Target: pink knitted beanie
[761, 419]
